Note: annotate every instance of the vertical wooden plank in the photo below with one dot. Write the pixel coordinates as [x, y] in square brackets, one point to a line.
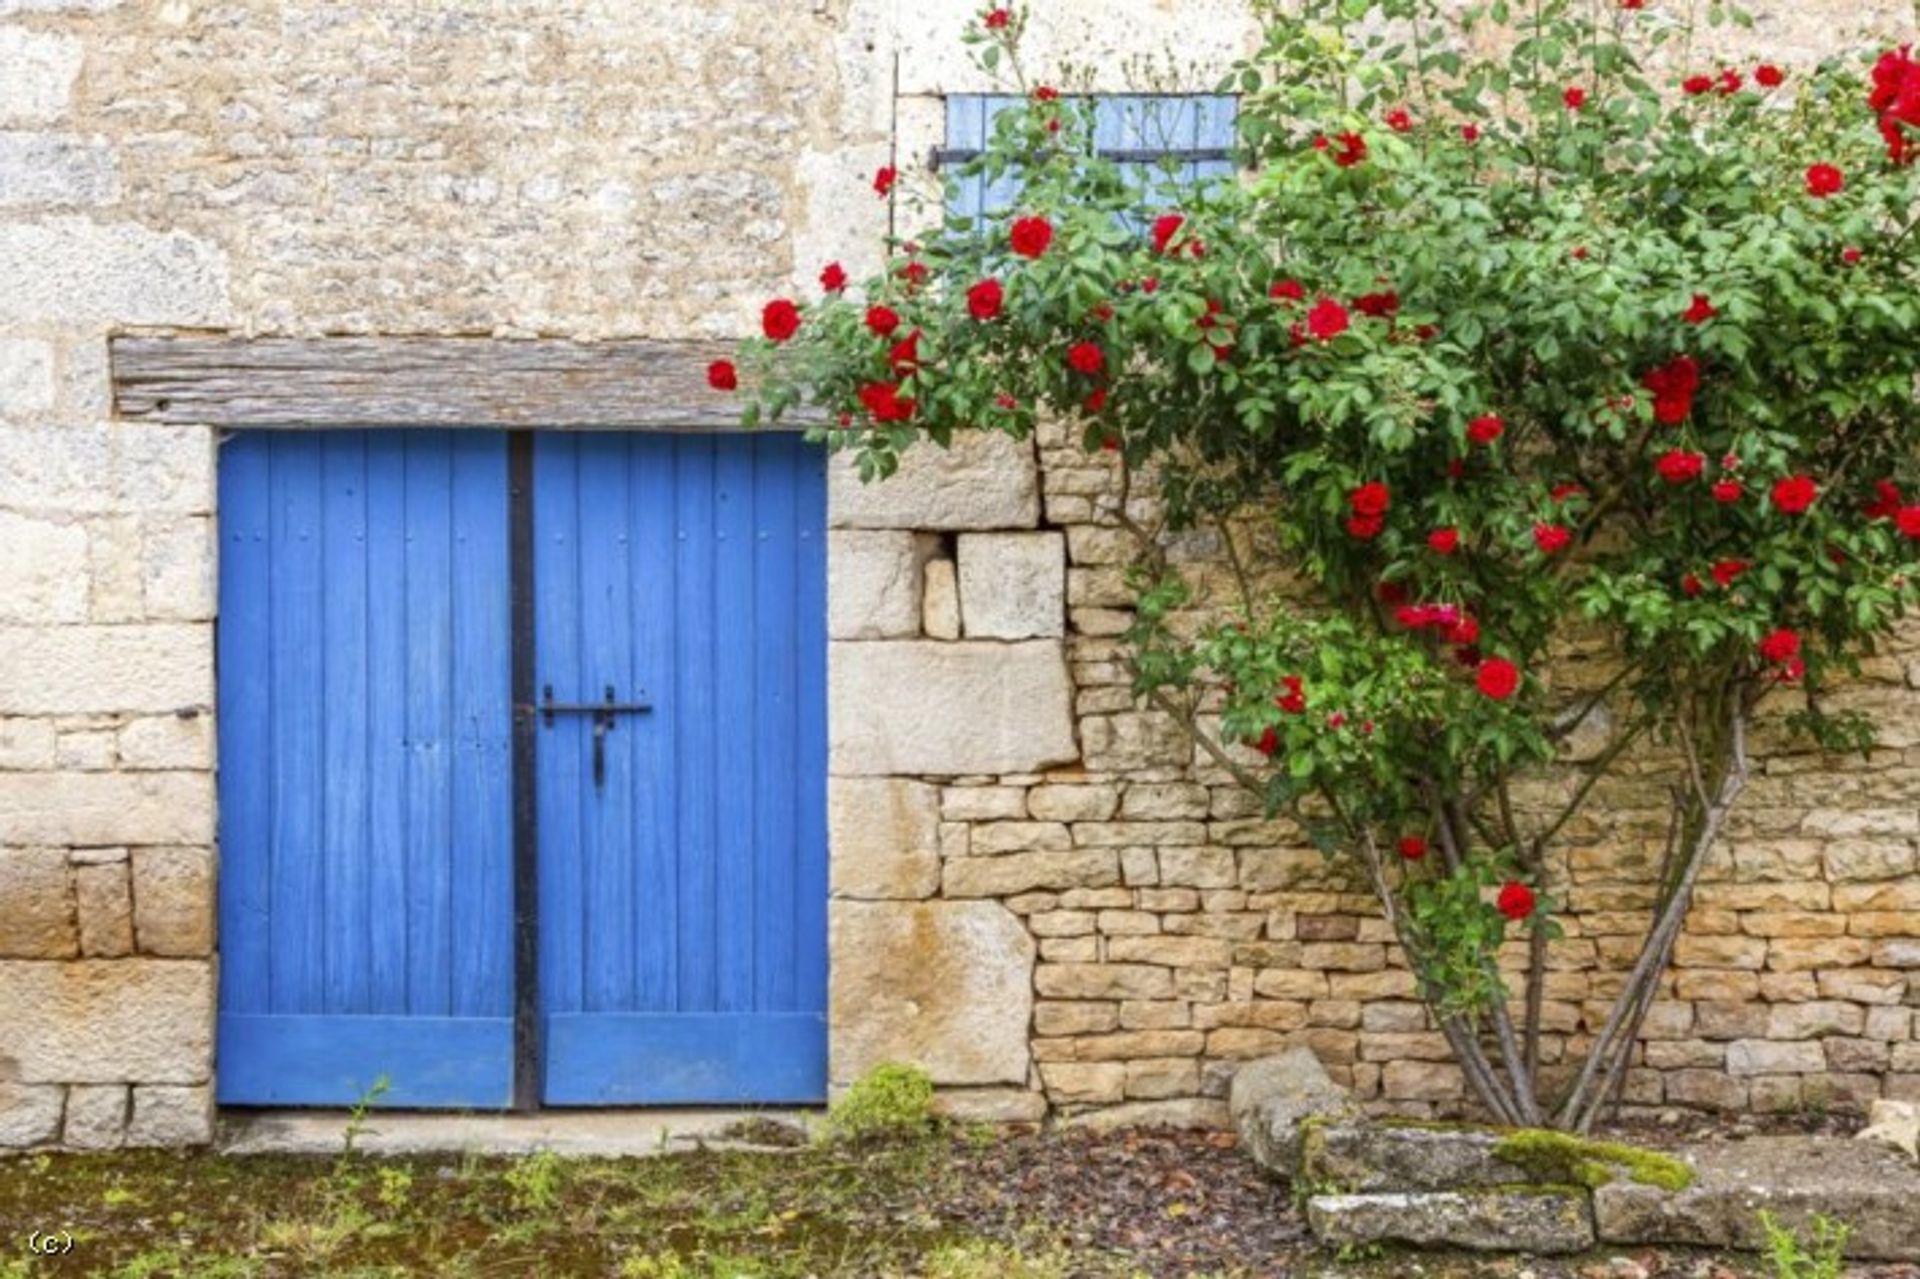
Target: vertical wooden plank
[344, 882]
[246, 683]
[1215, 125]
[1004, 192]
[386, 723]
[480, 860]
[606, 644]
[778, 638]
[695, 726]
[737, 707]
[653, 517]
[298, 701]
[556, 574]
[966, 113]
[429, 604]
[809, 466]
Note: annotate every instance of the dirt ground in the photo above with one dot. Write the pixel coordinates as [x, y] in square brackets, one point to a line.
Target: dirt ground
[972, 1204]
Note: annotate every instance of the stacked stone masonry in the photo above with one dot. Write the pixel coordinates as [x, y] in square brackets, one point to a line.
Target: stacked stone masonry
[1039, 888]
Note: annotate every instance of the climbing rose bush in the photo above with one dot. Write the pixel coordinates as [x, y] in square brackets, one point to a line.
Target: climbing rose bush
[1506, 363]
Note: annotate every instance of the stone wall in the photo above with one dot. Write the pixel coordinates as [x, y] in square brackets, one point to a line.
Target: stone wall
[1172, 933]
[1036, 891]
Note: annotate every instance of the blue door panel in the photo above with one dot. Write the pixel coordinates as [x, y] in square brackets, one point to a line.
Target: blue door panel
[366, 854]
[682, 896]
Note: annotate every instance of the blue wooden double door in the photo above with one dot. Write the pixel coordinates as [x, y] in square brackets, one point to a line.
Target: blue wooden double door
[522, 768]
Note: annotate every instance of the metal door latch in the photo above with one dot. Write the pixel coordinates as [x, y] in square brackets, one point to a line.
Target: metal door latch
[603, 713]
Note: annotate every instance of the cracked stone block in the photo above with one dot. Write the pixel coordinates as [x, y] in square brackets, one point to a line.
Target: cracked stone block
[1532, 1220]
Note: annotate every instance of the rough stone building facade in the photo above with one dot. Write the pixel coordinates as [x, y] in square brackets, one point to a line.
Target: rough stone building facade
[1038, 892]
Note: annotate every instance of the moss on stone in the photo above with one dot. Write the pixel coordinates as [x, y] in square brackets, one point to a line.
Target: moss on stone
[1563, 1157]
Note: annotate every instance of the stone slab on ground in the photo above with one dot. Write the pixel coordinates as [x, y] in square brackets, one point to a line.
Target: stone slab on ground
[589, 1133]
[1876, 1191]
[1535, 1220]
[1364, 1157]
[1271, 1099]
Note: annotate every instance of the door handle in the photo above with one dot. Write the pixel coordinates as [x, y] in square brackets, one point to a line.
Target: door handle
[603, 713]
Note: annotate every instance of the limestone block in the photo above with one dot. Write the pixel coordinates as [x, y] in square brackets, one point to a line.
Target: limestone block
[1871, 1188]
[1180, 1112]
[109, 1021]
[1090, 1083]
[173, 901]
[1059, 803]
[78, 670]
[1012, 585]
[941, 603]
[26, 377]
[1533, 1220]
[990, 1105]
[164, 742]
[26, 744]
[90, 750]
[105, 273]
[43, 575]
[1012, 873]
[884, 837]
[107, 808]
[1272, 1100]
[96, 1117]
[1766, 1057]
[947, 986]
[105, 902]
[165, 1115]
[873, 583]
[37, 71]
[29, 1114]
[985, 480]
[56, 169]
[36, 905]
[177, 561]
[905, 707]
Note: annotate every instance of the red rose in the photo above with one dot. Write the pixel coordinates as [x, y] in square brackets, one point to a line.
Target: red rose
[1098, 400]
[997, 19]
[1677, 466]
[1031, 236]
[1269, 742]
[1551, 537]
[1353, 150]
[1465, 631]
[1412, 847]
[1673, 386]
[1769, 76]
[1327, 320]
[1294, 700]
[1824, 180]
[1633, 4]
[1486, 429]
[721, 376]
[1165, 227]
[1562, 492]
[1379, 305]
[1575, 97]
[780, 320]
[1725, 571]
[915, 274]
[1287, 291]
[1444, 541]
[1086, 358]
[1730, 81]
[883, 179]
[1700, 312]
[1046, 93]
[1780, 645]
[1372, 498]
[1690, 585]
[833, 277]
[1794, 494]
[1886, 501]
[882, 400]
[1470, 132]
[1365, 527]
[883, 320]
[1896, 97]
[984, 299]
[905, 355]
[1515, 901]
[1851, 255]
[1498, 678]
[1907, 521]
[1400, 120]
[1726, 492]
[1697, 84]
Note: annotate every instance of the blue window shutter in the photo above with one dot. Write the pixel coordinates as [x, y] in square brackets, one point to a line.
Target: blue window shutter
[1165, 124]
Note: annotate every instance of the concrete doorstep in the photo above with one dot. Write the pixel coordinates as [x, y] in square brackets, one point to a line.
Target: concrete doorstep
[585, 1133]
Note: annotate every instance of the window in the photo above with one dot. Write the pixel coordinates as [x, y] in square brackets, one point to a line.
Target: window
[1196, 130]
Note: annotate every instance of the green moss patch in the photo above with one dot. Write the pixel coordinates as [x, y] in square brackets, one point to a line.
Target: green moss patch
[1562, 1157]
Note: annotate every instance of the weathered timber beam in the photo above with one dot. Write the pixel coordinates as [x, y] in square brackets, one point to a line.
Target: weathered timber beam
[421, 382]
